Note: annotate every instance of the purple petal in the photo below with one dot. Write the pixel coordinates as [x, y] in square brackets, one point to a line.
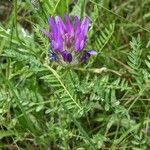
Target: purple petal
[69, 57]
[85, 57]
[51, 23]
[82, 43]
[92, 52]
[69, 27]
[77, 25]
[54, 30]
[85, 25]
[54, 45]
[57, 44]
[68, 41]
[80, 33]
[60, 25]
[77, 44]
[60, 43]
[87, 54]
[66, 56]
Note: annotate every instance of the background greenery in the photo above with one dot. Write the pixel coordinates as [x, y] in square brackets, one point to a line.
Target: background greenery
[104, 104]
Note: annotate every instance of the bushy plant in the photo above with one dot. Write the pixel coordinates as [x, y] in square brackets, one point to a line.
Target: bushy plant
[102, 103]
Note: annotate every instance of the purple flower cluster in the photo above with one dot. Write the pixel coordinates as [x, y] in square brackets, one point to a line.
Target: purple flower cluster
[68, 40]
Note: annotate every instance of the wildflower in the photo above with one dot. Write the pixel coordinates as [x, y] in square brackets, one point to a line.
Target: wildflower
[68, 40]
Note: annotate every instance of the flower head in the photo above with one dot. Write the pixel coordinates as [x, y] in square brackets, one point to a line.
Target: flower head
[68, 40]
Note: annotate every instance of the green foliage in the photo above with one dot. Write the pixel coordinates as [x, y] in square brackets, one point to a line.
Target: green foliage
[103, 104]
[104, 37]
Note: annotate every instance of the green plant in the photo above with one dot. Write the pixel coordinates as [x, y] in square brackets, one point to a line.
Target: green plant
[103, 104]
